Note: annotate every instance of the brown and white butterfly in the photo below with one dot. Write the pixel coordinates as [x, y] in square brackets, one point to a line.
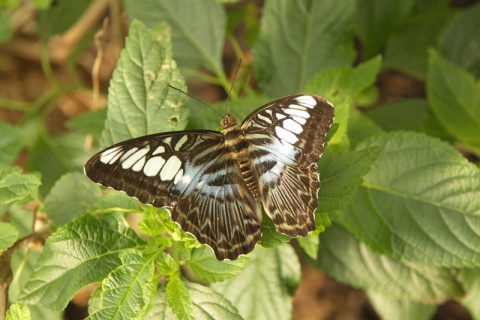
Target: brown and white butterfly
[212, 182]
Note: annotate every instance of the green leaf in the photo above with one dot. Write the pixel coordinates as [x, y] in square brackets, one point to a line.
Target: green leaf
[55, 156]
[86, 250]
[129, 289]
[399, 309]
[470, 279]
[91, 122]
[340, 86]
[115, 201]
[430, 5]
[22, 265]
[377, 19]
[38, 312]
[153, 222]
[178, 298]
[139, 101]
[18, 312]
[166, 265]
[351, 262]
[198, 29]
[60, 17]
[70, 197]
[309, 244]
[341, 176]
[21, 219]
[42, 4]
[408, 114]
[15, 186]
[6, 30]
[270, 236]
[160, 309]
[264, 289]
[420, 202]
[360, 128]
[454, 96]
[299, 39]
[8, 235]
[207, 304]
[156, 221]
[406, 50]
[12, 140]
[460, 40]
[207, 268]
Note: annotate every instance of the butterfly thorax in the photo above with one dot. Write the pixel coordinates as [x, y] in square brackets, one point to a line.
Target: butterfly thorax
[237, 147]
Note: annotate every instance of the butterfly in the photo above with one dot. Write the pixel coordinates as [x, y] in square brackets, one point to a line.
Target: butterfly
[212, 182]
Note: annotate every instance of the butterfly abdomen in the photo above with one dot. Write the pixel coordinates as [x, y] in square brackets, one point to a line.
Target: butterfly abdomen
[248, 176]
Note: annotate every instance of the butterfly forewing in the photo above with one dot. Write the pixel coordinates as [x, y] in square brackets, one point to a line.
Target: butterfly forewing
[212, 182]
[148, 167]
[286, 139]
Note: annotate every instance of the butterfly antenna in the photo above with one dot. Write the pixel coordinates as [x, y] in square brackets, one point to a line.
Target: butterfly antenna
[198, 100]
[233, 82]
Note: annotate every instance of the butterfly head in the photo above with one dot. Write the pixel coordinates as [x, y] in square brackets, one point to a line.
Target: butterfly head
[228, 121]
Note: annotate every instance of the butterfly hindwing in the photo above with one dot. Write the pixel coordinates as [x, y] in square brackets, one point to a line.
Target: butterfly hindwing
[192, 175]
[286, 140]
[221, 212]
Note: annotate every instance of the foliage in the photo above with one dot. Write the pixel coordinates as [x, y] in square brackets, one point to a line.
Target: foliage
[399, 206]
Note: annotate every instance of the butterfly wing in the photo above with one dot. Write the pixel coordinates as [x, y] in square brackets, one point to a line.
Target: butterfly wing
[286, 139]
[192, 175]
[230, 217]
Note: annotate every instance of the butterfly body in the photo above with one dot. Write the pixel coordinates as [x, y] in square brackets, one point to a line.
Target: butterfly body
[212, 182]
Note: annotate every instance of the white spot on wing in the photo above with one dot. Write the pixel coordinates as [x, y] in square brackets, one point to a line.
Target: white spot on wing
[186, 179]
[267, 120]
[153, 166]
[280, 116]
[181, 142]
[160, 149]
[128, 153]
[298, 113]
[111, 155]
[132, 160]
[170, 168]
[299, 120]
[286, 135]
[178, 176]
[296, 106]
[287, 145]
[307, 101]
[139, 164]
[293, 126]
